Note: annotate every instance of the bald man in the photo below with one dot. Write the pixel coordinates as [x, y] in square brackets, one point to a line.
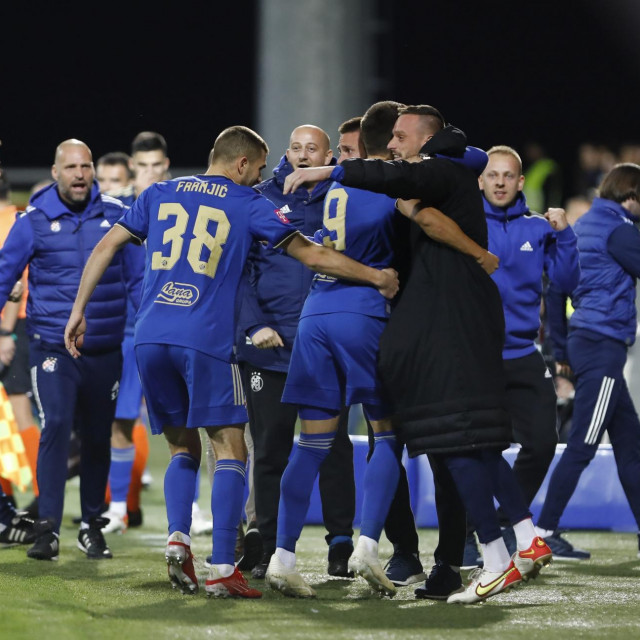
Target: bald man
[55, 236]
[276, 288]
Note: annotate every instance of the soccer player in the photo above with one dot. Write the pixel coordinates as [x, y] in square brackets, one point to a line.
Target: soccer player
[333, 363]
[198, 232]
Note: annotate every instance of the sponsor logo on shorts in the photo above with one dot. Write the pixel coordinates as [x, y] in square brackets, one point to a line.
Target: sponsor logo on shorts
[178, 294]
[256, 382]
[50, 365]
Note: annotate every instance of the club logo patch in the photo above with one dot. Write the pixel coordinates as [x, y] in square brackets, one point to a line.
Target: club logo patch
[281, 213]
[55, 226]
[178, 294]
[256, 382]
[50, 365]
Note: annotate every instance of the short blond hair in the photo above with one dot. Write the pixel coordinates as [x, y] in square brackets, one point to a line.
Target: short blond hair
[507, 151]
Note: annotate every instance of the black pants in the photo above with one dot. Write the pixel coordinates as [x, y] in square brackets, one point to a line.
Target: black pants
[272, 426]
[531, 402]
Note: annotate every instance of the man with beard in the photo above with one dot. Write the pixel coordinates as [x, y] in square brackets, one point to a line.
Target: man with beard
[55, 236]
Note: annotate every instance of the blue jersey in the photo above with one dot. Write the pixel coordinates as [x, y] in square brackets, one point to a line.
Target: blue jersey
[360, 224]
[198, 230]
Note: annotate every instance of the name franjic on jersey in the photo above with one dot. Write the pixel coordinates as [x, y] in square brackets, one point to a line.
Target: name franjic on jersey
[178, 294]
[201, 186]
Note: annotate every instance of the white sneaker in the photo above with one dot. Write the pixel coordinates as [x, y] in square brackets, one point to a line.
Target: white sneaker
[146, 480]
[367, 565]
[485, 584]
[117, 523]
[200, 524]
[287, 581]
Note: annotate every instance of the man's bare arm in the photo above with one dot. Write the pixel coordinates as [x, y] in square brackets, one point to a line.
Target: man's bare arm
[333, 263]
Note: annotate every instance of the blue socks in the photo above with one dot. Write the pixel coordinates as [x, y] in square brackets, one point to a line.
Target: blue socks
[179, 489]
[226, 505]
[380, 483]
[120, 472]
[297, 484]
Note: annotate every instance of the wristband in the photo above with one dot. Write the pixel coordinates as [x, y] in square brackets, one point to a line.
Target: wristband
[5, 332]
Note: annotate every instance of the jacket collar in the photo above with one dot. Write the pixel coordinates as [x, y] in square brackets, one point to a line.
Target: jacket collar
[49, 202]
[284, 168]
[618, 209]
[516, 209]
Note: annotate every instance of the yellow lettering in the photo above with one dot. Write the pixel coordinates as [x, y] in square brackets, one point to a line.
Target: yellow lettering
[180, 185]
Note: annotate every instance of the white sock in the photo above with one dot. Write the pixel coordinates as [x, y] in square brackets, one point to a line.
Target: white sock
[525, 533]
[495, 555]
[118, 508]
[224, 570]
[288, 558]
[368, 544]
[543, 533]
[186, 537]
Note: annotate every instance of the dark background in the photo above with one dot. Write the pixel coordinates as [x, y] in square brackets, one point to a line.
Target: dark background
[558, 72]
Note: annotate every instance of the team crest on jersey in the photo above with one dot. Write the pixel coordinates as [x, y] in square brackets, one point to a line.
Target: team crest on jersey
[115, 390]
[50, 365]
[178, 294]
[256, 382]
[281, 213]
[55, 226]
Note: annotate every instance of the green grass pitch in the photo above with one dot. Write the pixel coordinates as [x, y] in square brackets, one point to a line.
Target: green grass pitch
[131, 597]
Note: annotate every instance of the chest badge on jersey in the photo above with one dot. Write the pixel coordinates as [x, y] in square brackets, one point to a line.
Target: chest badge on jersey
[55, 226]
[281, 213]
[50, 365]
[256, 382]
[178, 294]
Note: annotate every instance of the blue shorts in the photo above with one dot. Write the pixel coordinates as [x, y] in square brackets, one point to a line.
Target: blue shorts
[185, 387]
[334, 362]
[130, 393]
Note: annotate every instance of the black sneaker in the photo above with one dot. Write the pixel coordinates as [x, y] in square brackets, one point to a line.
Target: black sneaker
[32, 510]
[441, 583]
[404, 569]
[339, 555]
[46, 545]
[563, 550]
[135, 518]
[472, 557]
[91, 540]
[258, 572]
[252, 548]
[18, 531]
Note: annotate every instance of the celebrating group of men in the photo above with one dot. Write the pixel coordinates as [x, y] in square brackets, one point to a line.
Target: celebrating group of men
[416, 271]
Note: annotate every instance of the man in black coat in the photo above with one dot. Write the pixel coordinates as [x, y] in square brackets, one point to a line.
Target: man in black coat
[440, 355]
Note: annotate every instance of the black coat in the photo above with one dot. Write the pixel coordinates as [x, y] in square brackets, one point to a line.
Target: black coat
[441, 353]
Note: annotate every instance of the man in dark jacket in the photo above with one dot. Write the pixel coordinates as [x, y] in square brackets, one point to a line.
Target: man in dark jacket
[440, 355]
[276, 290]
[601, 329]
[55, 236]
